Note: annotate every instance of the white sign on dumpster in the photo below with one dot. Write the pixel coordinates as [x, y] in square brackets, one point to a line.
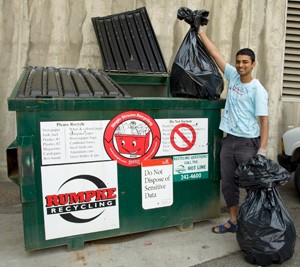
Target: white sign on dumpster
[190, 167]
[72, 141]
[183, 136]
[157, 183]
[80, 198]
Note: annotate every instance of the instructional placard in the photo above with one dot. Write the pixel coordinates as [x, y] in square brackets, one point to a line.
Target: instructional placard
[190, 167]
[183, 136]
[157, 183]
[72, 141]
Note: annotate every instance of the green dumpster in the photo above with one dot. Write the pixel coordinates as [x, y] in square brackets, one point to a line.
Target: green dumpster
[94, 163]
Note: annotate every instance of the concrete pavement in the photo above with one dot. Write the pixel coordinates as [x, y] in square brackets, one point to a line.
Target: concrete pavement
[159, 248]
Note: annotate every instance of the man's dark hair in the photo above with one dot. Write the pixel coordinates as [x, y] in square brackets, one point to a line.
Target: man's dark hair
[247, 52]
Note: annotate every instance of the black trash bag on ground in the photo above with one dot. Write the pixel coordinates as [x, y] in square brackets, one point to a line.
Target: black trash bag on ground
[265, 232]
[194, 74]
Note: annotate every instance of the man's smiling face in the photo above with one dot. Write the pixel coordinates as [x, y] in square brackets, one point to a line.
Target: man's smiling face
[244, 65]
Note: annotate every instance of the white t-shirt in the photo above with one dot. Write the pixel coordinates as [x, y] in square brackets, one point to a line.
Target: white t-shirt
[244, 103]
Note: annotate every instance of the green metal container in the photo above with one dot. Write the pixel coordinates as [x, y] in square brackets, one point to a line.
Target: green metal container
[90, 168]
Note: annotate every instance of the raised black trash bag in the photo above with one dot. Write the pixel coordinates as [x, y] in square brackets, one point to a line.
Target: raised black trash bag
[265, 230]
[194, 74]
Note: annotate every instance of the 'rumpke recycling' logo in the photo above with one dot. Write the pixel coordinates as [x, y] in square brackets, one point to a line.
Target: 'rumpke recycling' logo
[67, 204]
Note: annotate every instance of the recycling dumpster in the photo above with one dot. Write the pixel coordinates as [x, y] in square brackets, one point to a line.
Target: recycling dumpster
[92, 162]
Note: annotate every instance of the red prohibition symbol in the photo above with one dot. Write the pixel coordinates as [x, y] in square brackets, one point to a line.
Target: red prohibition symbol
[189, 143]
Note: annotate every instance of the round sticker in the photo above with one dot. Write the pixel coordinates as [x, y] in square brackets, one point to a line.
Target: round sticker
[131, 137]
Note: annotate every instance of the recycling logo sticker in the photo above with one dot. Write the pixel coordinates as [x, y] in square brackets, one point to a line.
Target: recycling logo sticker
[66, 204]
[132, 137]
[80, 198]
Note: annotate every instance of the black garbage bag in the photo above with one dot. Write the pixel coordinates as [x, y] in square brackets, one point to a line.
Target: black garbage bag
[260, 172]
[194, 74]
[265, 230]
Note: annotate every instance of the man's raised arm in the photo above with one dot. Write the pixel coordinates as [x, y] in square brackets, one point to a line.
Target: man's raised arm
[212, 50]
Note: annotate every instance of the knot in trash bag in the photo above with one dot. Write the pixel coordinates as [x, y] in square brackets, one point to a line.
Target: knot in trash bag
[194, 18]
[260, 172]
[194, 73]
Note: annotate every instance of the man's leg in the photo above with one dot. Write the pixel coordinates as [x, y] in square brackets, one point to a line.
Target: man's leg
[229, 190]
[233, 212]
[234, 151]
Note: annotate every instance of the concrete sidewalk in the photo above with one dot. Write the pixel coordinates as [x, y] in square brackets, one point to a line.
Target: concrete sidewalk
[167, 247]
[159, 248]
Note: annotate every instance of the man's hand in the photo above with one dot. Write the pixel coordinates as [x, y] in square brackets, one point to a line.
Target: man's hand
[262, 151]
[200, 29]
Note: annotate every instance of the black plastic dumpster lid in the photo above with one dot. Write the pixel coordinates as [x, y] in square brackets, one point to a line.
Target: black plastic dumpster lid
[128, 43]
[47, 82]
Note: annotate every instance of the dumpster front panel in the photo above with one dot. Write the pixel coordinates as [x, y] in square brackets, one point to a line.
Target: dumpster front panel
[113, 172]
[101, 167]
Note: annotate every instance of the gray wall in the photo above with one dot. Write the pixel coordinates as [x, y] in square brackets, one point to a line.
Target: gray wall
[60, 34]
[290, 114]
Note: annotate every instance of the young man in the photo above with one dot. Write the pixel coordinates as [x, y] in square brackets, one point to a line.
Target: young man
[246, 101]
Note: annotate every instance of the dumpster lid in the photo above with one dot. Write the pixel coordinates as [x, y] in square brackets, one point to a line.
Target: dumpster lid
[56, 89]
[50, 82]
[128, 43]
